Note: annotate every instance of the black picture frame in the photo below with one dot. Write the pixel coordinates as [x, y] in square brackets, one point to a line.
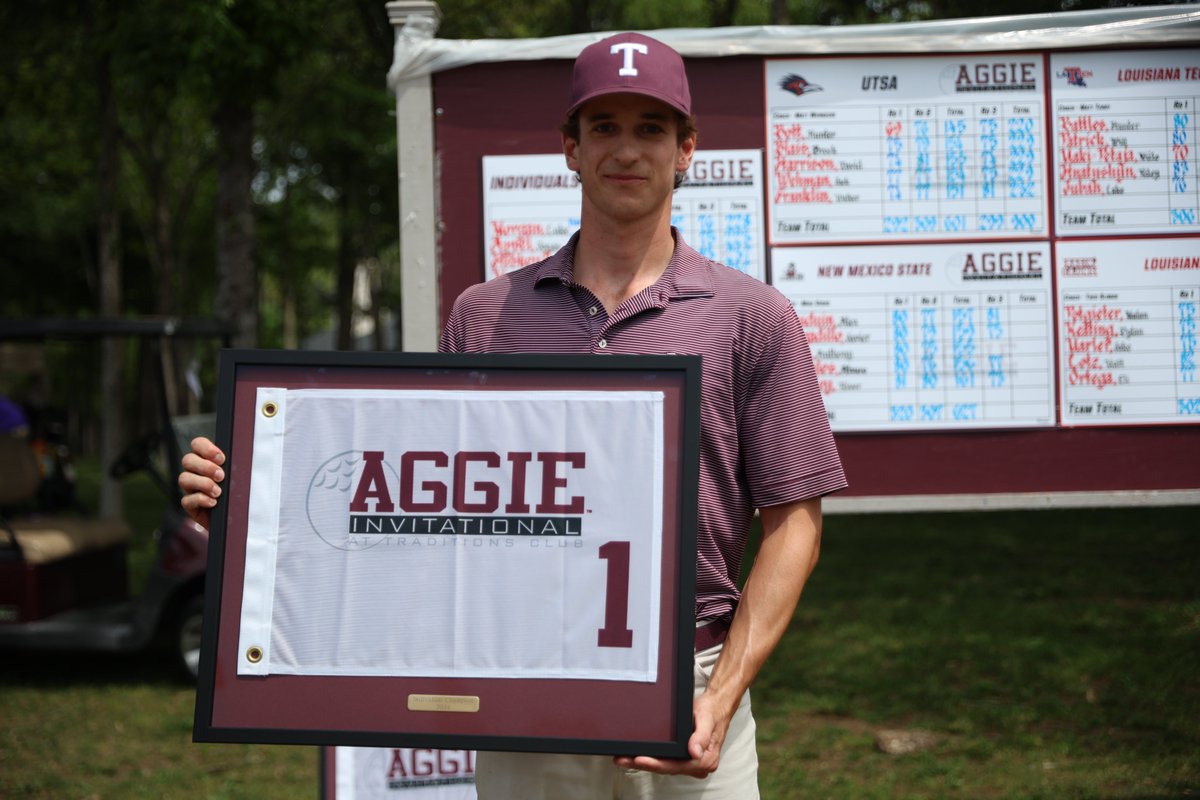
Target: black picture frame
[605, 717]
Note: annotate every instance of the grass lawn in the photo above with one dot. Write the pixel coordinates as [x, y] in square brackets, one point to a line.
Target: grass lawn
[1049, 655]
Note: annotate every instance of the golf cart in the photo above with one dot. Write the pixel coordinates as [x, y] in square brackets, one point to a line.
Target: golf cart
[64, 574]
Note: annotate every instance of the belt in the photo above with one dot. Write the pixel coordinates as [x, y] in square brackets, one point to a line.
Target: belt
[712, 633]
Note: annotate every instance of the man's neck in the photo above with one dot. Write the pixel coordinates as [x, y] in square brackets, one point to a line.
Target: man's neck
[617, 261]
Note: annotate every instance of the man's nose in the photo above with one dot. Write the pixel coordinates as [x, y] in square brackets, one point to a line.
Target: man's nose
[626, 149]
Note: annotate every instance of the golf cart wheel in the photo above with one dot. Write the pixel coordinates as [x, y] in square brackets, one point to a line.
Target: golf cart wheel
[187, 635]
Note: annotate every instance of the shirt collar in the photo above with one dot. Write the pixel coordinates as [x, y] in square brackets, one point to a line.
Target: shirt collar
[687, 275]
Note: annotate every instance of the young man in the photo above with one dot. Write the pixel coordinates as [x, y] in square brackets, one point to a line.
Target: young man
[628, 283]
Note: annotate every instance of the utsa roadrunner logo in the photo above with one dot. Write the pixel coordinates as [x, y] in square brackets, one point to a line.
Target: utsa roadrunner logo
[358, 496]
[797, 85]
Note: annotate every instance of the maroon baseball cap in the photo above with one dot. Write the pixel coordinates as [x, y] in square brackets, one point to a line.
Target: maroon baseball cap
[630, 62]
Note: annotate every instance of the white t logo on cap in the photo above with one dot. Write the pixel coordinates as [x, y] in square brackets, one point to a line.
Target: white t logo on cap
[630, 48]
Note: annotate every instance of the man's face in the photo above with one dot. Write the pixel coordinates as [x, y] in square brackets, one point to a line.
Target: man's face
[627, 155]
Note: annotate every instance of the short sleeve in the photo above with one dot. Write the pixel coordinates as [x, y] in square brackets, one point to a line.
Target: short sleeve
[787, 445]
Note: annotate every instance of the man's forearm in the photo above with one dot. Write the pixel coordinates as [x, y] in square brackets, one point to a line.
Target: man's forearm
[790, 546]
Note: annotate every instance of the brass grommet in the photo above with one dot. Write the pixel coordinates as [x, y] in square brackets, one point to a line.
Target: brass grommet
[270, 409]
[254, 654]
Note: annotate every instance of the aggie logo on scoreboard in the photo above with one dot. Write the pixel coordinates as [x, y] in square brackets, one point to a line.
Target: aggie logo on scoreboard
[357, 497]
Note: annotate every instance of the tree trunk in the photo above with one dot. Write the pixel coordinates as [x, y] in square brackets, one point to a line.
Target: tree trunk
[375, 290]
[109, 256]
[291, 325]
[290, 278]
[345, 271]
[721, 12]
[581, 16]
[237, 279]
[779, 12]
[163, 259]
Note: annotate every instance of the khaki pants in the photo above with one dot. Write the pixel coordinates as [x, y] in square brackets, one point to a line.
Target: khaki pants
[541, 776]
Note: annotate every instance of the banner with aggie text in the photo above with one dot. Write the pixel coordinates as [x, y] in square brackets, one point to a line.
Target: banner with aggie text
[406, 773]
[464, 534]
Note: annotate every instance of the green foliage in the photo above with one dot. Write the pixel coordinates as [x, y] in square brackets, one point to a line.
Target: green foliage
[47, 178]
[311, 76]
[326, 159]
[240, 45]
[474, 19]
[479, 19]
[172, 64]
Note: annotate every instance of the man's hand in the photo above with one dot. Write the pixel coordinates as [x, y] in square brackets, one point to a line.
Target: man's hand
[200, 480]
[786, 557]
[704, 746]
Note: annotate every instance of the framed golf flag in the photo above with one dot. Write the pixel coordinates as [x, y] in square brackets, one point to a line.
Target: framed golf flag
[453, 551]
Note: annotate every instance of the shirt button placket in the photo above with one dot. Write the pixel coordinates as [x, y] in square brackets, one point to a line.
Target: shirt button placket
[598, 323]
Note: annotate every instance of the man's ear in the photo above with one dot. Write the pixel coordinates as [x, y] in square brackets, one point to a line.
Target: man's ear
[687, 149]
[570, 150]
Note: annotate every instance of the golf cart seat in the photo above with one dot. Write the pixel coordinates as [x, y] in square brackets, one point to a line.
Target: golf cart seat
[51, 563]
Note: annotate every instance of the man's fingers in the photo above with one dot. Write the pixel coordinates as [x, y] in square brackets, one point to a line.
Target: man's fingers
[704, 745]
[200, 479]
[664, 766]
[696, 767]
[204, 448]
[196, 502]
[196, 467]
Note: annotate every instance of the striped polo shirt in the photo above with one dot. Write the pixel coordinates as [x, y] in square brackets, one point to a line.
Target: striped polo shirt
[764, 435]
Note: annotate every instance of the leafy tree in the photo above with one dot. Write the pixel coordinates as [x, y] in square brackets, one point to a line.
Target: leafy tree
[242, 47]
[48, 149]
[108, 255]
[168, 142]
[326, 180]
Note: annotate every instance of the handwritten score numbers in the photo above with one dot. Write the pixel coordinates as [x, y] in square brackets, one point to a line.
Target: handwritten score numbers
[1127, 330]
[979, 149]
[917, 336]
[905, 148]
[1125, 142]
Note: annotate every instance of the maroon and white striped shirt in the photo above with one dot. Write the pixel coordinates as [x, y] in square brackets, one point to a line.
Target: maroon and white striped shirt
[764, 435]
